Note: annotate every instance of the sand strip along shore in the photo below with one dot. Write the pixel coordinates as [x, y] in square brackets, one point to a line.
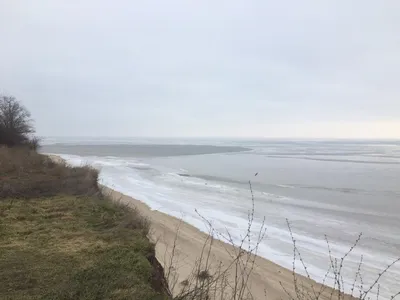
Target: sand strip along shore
[172, 235]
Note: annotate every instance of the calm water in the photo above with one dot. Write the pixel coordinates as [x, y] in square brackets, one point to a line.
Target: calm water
[337, 188]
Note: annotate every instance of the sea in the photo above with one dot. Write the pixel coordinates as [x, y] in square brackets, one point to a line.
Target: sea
[326, 190]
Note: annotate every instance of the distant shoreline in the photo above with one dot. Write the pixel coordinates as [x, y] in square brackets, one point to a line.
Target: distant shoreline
[141, 150]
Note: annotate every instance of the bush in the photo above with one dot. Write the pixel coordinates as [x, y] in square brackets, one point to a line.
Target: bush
[16, 128]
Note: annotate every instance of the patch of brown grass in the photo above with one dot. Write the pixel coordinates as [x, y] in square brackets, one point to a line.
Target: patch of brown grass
[26, 174]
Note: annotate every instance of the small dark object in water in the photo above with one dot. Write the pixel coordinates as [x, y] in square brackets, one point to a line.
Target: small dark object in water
[184, 175]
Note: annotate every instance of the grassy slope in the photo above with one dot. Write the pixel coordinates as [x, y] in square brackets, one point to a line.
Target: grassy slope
[69, 245]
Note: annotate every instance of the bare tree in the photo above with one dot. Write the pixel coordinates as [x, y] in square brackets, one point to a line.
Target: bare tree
[16, 125]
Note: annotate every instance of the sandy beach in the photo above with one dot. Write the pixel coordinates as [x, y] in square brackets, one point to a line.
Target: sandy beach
[265, 281]
[180, 246]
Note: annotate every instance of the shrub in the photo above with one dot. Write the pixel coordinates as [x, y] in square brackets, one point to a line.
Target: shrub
[16, 125]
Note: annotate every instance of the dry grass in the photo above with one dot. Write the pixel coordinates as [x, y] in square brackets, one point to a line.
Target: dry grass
[57, 241]
[25, 174]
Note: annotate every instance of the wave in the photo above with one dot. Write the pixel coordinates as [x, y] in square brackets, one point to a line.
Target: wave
[337, 160]
[215, 178]
[285, 186]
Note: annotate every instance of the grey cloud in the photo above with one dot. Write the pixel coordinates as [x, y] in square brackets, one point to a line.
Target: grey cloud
[209, 68]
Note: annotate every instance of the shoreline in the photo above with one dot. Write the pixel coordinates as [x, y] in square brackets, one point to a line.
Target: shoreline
[172, 234]
[267, 280]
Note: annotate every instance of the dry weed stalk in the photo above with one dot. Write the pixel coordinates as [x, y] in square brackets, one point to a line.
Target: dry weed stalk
[210, 280]
[335, 271]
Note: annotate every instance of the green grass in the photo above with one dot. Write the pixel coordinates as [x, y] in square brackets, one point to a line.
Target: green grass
[70, 245]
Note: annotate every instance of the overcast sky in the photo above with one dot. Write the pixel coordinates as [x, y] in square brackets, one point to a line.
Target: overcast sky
[251, 68]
